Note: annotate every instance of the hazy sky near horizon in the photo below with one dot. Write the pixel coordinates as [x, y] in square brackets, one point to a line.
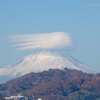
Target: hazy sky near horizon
[80, 18]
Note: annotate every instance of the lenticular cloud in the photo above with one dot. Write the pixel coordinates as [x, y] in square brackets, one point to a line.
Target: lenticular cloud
[55, 40]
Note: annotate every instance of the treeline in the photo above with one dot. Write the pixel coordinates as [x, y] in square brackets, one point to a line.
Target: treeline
[73, 89]
[56, 84]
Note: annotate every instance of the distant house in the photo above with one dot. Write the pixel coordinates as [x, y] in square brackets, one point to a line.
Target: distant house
[20, 97]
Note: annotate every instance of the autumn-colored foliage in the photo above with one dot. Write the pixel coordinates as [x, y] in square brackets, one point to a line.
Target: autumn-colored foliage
[56, 84]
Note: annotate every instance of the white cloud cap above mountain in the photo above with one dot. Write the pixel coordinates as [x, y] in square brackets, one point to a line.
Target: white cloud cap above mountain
[55, 40]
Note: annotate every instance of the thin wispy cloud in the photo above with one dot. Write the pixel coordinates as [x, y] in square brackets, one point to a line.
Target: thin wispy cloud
[95, 5]
[55, 40]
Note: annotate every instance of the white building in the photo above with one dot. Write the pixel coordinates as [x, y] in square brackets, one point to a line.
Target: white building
[19, 97]
[14, 97]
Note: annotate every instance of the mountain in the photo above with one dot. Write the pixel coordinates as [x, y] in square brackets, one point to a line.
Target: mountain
[43, 60]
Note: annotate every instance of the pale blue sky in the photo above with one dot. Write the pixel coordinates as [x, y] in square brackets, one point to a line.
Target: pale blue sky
[80, 18]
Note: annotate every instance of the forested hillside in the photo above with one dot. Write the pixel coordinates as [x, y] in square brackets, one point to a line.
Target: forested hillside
[56, 84]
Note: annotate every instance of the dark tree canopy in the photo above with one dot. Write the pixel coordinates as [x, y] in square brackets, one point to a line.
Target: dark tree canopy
[56, 84]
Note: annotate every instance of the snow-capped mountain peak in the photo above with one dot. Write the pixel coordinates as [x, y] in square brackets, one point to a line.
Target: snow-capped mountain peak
[44, 60]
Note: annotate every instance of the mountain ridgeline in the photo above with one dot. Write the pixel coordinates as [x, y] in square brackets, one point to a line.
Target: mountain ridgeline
[55, 84]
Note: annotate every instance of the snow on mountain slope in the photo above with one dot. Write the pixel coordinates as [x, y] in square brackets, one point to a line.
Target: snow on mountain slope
[44, 60]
